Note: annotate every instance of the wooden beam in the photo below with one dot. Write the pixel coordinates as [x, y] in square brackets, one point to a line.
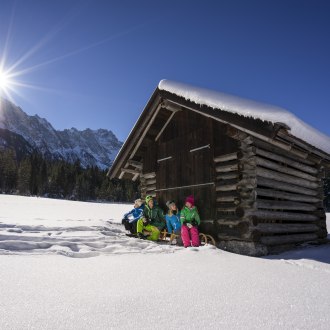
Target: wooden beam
[287, 239]
[148, 175]
[292, 139]
[282, 228]
[124, 152]
[284, 205]
[286, 196]
[274, 175]
[127, 170]
[283, 169]
[227, 176]
[280, 185]
[226, 187]
[167, 122]
[288, 161]
[150, 181]
[226, 168]
[232, 199]
[135, 177]
[272, 215]
[185, 187]
[300, 157]
[135, 163]
[137, 145]
[224, 158]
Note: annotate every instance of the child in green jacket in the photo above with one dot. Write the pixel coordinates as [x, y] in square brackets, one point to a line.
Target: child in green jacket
[152, 221]
[190, 221]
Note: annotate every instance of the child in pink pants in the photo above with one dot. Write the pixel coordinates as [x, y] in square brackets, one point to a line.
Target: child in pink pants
[190, 220]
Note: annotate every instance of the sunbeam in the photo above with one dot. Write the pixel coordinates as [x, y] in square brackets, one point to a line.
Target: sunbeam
[47, 38]
[11, 71]
[75, 52]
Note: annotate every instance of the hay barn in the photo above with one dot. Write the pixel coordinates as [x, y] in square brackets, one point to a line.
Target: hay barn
[256, 170]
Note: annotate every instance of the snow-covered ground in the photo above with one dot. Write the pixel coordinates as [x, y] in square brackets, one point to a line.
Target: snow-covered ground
[69, 265]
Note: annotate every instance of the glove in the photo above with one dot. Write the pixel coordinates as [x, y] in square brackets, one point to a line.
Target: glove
[189, 225]
[194, 223]
[123, 221]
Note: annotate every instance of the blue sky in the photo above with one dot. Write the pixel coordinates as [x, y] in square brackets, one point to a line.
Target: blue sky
[96, 63]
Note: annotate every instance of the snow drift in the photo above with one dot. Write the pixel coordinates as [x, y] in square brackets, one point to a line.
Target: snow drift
[248, 108]
[69, 265]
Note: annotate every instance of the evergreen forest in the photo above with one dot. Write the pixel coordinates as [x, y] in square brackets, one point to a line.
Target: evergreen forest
[34, 175]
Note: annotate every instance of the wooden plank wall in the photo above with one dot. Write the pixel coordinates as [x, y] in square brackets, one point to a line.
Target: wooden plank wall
[258, 192]
[187, 131]
[281, 196]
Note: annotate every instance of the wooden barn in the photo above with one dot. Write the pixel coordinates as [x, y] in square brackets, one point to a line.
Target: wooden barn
[256, 170]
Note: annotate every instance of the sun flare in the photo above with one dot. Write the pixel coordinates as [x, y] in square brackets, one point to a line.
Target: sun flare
[7, 84]
[5, 81]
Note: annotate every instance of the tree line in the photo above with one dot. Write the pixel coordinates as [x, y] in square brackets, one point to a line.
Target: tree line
[38, 176]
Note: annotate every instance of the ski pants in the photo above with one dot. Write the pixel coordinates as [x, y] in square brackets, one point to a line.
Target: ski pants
[154, 231]
[131, 226]
[190, 234]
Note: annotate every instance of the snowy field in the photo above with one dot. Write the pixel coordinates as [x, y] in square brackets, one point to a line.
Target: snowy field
[69, 265]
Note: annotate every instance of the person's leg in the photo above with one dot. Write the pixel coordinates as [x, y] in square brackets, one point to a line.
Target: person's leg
[194, 236]
[178, 238]
[185, 236]
[154, 232]
[127, 225]
[139, 226]
[133, 228]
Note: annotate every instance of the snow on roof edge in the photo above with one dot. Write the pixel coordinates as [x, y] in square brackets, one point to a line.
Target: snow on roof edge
[248, 108]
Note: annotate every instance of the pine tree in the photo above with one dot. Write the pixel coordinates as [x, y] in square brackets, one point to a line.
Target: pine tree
[24, 177]
[8, 171]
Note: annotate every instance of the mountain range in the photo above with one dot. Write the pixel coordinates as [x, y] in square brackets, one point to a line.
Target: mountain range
[26, 134]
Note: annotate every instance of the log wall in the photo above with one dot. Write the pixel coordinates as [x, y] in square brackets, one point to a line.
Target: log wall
[148, 184]
[276, 197]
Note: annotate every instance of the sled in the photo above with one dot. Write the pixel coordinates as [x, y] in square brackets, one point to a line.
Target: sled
[203, 238]
[169, 237]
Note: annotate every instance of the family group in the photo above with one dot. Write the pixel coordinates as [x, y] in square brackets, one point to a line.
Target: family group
[146, 220]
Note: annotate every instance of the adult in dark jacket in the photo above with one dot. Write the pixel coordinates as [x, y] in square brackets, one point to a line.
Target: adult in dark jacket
[153, 221]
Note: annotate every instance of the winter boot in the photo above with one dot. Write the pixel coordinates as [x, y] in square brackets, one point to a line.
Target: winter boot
[141, 236]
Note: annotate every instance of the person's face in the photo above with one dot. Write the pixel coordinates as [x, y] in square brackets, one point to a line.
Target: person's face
[189, 205]
[136, 205]
[151, 203]
[173, 207]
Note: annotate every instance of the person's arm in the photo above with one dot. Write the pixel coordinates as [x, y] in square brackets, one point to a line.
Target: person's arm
[138, 214]
[197, 218]
[177, 222]
[126, 215]
[182, 217]
[168, 224]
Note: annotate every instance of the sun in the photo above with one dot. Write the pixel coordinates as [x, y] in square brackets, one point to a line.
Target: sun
[7, 84]
[4, 80]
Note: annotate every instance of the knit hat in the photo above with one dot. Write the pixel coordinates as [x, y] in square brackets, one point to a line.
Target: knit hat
[138, 201]
[169, 203]
[190, 199]
[148, 198]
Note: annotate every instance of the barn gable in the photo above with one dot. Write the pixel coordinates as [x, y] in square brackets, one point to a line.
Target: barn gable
[258, 187]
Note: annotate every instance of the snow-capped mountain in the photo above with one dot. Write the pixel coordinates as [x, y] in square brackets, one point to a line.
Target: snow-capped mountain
[91, 147]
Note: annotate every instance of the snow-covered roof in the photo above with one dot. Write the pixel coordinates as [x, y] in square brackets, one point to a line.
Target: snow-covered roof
[248, 108]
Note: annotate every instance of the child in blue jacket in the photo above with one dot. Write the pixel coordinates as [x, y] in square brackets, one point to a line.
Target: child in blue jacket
[130, 218]
[173, 222]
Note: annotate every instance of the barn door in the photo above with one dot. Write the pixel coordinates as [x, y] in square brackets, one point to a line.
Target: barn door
[185, 167]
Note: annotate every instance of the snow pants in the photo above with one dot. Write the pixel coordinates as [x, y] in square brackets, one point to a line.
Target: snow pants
[154, 231]
[189, 234]
[131, 226]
